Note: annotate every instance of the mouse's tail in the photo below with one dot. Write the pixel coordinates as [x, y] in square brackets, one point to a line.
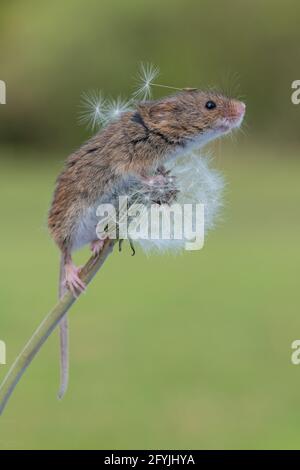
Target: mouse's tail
[64, 337]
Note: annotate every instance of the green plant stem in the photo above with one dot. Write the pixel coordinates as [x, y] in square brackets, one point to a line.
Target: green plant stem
[47, 326]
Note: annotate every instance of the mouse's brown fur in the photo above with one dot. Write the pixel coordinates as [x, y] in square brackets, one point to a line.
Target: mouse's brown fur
[123, 147]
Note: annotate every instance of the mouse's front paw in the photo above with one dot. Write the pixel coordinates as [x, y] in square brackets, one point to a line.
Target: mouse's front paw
[96, 246]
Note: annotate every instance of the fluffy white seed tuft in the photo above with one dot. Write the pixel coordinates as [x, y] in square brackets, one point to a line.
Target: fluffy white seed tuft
[114, 108]
[146, 76]
[93, 107]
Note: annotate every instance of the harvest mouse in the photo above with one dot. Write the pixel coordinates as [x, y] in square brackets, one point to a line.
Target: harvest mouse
[137, 143]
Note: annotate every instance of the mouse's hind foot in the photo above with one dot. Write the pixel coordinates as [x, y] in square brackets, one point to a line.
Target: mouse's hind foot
[72, 279]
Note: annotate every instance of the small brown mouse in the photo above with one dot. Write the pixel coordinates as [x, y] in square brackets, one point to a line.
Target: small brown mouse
[137, 143]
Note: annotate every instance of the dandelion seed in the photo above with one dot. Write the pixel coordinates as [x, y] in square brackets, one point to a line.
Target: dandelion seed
[114, 108]
[147, 74]
[93, 109]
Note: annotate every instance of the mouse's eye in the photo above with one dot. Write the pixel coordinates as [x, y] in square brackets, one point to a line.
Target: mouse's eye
[210, 105]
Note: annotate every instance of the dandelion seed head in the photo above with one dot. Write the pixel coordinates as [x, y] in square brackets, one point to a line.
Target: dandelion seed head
[197, 183]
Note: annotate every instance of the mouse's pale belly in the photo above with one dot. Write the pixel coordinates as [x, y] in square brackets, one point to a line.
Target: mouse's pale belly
[85, 230]
[86, 226]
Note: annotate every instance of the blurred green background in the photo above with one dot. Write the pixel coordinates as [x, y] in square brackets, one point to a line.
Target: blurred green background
[167, 352]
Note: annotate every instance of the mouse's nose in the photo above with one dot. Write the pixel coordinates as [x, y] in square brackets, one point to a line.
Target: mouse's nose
[240, 108]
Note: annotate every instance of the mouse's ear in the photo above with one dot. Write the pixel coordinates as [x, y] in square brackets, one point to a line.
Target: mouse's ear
[159, 111]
